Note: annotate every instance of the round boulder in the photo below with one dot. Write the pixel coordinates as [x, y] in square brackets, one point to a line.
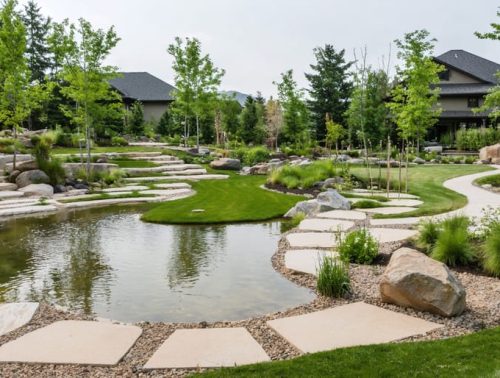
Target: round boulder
[35, 176]
[414, 280]
[227, 164]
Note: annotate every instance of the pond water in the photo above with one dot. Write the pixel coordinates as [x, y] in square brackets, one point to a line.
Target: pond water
[111, 264]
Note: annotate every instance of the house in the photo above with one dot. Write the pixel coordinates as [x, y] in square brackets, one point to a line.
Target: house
[154, 94]
[467, 78]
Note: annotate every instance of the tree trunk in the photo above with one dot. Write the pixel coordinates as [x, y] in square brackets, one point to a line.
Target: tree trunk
[197, 133]
[406, 168]
[185, 130]
[87, 141]
[15, 150]
[388, 166]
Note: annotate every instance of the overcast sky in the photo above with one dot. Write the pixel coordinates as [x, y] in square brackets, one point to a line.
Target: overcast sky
[256, 40]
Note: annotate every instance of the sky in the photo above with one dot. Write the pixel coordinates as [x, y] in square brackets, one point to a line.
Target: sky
[255, 40]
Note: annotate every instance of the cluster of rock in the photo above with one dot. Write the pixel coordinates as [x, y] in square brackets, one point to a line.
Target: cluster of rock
[325, 201]
[490, 154]
[414, 280]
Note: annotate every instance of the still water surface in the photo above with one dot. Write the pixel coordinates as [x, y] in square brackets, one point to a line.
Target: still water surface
[111, 264]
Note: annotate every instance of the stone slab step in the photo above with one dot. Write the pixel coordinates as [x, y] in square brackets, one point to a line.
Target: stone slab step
[312, 240]
[125, 188]
[9, 194]
[15, 315]
[389, 235]
[163, 168]
[26, 210]
[7, 186]
[177, 178]
[349, 325]
[306, 260]
[156, 158]
[186, 172]
[388, 210]
[342, 214]
[323, 224]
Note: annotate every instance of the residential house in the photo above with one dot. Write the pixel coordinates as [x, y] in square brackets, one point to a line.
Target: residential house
[467, 78]
[154, 94]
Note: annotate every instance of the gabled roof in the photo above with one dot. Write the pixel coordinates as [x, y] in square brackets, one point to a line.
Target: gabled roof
[473, 65]
[142, 86]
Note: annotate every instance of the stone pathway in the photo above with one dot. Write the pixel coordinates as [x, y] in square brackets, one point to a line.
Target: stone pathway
[321, 224]
[312, 240]
[15, 315]
[348, 325]
[306, 260]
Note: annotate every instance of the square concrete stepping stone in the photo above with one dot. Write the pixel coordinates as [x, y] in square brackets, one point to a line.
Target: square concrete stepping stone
[306, 260]
[323, 224]
[73, 342]
[128, 188]
[349, 325]
[342, 214]
[208, 347]
[388, 235]
[15, 315]
[312, 240]
[388, 210]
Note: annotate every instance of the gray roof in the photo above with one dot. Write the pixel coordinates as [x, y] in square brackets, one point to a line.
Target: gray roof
[142, 86]
[464, 89]
[461, 114]
[473, 65]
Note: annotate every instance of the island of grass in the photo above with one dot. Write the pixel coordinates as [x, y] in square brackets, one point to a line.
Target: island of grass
[237, 199]
[493, 180]
[473, 355]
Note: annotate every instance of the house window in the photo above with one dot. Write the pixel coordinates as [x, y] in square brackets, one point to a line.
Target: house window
[444, 75]
[473, 102]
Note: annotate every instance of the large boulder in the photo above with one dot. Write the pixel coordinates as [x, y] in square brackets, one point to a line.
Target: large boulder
[332, 200]
[227, 164]
[32, 177]
[490, 154]
[307, 208]
[414, 280]
[41, 190]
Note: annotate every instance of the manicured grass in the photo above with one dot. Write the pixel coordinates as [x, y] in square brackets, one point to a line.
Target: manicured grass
[426, 181]
[475, 355]
[494, 181]
[128, 163]
[237, 199]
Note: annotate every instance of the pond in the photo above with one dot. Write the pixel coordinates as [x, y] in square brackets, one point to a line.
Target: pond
[109, 263]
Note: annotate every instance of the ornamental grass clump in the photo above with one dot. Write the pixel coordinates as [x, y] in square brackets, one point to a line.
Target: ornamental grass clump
[305, 177]
[491, 251]
[358, 247]
[333, 277]
[453, 245]
[428, 235]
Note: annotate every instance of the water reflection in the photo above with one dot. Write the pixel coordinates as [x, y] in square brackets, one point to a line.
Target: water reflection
[109, 263]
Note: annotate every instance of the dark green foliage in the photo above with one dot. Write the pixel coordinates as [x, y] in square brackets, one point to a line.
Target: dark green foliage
[366, 204]
[251, 121]
[475, 139]
[231, 110]
[491, 258]
[251, 156]
[333, 278]
[428, 235]
[119, 141]
[165, 124]
[453, 246]
[330, 87]
[359, 247]
[42, 147]
[54, 169]
[136, 119]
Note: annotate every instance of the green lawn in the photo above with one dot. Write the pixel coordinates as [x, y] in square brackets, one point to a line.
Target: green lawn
[237, 199]
[493, 180]
[476, 355]
[128, 163]
[426, 181]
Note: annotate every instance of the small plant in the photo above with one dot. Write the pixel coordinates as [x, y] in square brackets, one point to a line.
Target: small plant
[453, 246]
[43, 201]
[491, 258]
[333, 277]
[119, 141]
[296, 219]
[359, 247]
[428, 235]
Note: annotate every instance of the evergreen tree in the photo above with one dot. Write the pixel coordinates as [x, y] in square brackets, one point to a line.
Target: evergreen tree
[330, 88]
[249, 121]
[37, 49]
[165, 124]
[136, 119]
[295, 112]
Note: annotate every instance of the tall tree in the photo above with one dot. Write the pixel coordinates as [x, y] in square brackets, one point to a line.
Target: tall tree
[37, 50]
[492, 99]
[274, 121]
[295, 112]
[249, 121]
[86, 77]
[330, 87]
[196, 80]
[136, 119]
[230, 115]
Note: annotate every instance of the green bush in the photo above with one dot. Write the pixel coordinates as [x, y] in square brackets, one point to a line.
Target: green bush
[491, 254]
[493, 180]
[428, 235]
[359, 247]
[366, 204]
[333, 278]
[453, 245]
[251, 156]
[54, 169]
[119, 141]
[475, 139]
[303, 176]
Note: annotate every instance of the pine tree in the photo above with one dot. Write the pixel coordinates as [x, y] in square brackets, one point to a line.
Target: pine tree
[37, 49]
[330, 88]
[137, 119]
[165, 124]
[249, 121]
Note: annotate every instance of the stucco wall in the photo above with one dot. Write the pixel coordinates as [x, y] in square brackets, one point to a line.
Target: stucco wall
[456, 103]
[457, 77]
[154, 110]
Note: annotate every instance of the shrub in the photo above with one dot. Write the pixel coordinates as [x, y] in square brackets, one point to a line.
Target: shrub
[303, 176]
[491, 256]
[428, 235]
[54, 169]
[470, 160]
[251, 156]
[453, 245]
[493, 180]
[333, 278]
[358, 247]
[119, 141]
[475, 139]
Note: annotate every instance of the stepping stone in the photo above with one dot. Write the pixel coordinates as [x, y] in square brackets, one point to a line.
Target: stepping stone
[306, 260]
[24, 210]
[166, 192]
[392, 195]
[350, 325]
[388, 210]
[208, 347]
[73, 342]
[175, 185]
[312, 240]
[130, 188]
[315, 224]
[9, 194]
[177, 178]
[187, 172]
[15, 315]
[394, 221]
[387, 235]
[342, 214]
[7, 186]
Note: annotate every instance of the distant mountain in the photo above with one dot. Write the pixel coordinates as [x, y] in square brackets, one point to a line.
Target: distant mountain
[238, 96]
